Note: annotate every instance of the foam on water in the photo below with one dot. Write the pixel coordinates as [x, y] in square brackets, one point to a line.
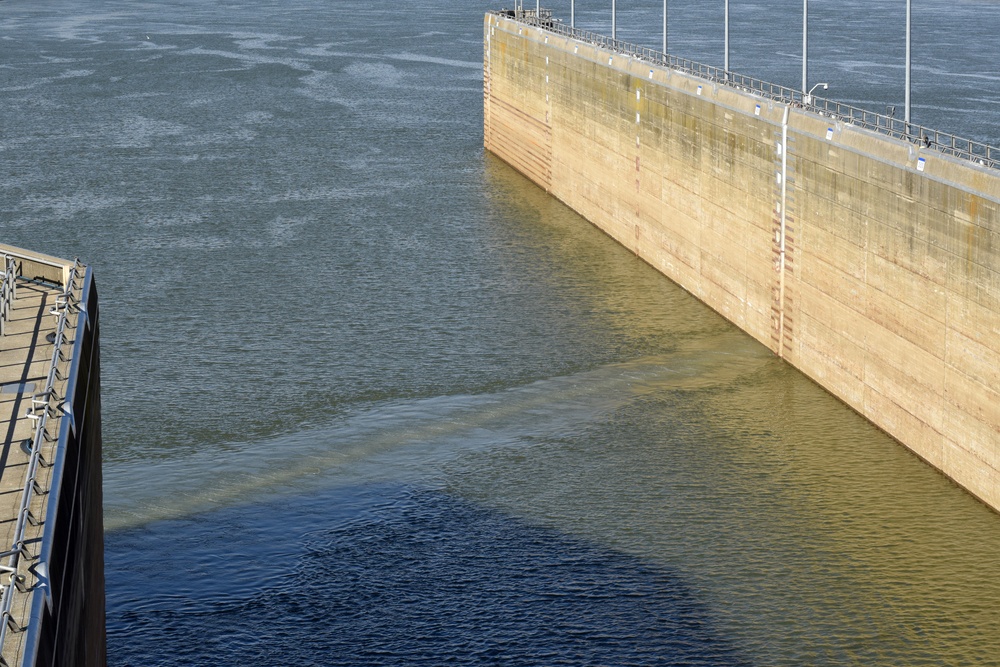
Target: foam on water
[418, 58]
[370, 396]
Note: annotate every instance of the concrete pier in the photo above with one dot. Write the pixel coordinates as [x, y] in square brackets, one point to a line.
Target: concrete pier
[865, 254]
[52, 563]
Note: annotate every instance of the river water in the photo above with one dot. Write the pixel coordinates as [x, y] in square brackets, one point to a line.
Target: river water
[372, 398]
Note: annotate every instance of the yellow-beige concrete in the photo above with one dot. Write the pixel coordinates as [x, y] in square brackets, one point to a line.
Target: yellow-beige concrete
[869, 263]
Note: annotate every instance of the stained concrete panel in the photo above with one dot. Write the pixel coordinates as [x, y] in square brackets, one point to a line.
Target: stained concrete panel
[879, 281]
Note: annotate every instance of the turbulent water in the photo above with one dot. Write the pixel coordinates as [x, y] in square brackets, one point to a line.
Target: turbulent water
[371, 398]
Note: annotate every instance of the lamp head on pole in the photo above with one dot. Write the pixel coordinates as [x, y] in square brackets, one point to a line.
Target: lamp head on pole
[809, 95]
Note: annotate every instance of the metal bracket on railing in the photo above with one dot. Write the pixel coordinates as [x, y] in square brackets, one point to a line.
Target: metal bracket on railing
[66, 303]
[66, 408]
[38, 488]
[12, 624]
[43, 405]
[18, 550]
[37, 412]
[43, 399]
[35, 418]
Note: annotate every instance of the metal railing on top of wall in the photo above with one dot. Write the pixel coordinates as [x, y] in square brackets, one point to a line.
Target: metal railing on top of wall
[968, 149]
[8, 289]
[44, 404]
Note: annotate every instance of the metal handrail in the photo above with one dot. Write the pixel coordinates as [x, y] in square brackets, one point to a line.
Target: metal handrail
[968, 149]
[42, 406]
[10, 251]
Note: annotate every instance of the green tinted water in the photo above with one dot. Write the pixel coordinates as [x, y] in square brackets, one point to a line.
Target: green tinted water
[314, 282]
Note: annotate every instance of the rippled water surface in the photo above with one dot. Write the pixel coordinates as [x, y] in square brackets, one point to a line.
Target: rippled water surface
[371, 398]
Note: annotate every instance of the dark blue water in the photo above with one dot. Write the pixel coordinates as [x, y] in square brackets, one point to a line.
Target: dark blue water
[402, 575]
[371, 397]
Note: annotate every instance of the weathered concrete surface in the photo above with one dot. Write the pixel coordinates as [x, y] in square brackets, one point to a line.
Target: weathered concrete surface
[874, 273]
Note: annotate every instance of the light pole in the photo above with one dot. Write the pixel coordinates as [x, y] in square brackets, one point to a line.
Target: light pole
[614, 35]
[725, 60]
[664, 27]
[572, 14]
[906, 105]
[805, 43]
[809, 95]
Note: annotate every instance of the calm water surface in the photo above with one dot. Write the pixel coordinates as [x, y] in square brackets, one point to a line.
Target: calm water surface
[371, 398]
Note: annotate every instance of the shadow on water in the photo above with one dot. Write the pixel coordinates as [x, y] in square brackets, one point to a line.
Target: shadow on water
[396, 575]
[457, 423]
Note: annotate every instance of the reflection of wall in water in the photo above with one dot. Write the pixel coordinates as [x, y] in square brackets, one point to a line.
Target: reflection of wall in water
[867, 262]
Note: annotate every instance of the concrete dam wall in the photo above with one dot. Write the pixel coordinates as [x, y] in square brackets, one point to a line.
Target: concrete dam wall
[52, 564]
[870, 263]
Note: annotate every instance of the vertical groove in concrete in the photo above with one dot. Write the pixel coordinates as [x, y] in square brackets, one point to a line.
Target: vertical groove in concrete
[870, 264]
